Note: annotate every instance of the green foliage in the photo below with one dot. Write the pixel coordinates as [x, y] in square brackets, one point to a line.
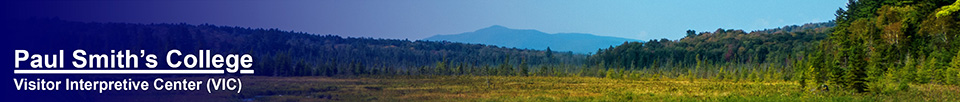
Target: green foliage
[948, 10]
[925, 71]
[874, 44]
[691, 33]
[953, 71]
[441, 68]
[721, 46]
[524, 70]
[610, 73]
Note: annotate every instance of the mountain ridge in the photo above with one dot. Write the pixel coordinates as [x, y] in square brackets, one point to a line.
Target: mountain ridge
[534, 39]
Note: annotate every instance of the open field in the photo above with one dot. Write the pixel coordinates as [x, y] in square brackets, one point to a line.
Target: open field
[499, 88]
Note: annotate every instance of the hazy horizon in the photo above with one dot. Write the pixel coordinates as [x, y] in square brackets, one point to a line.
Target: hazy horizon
[640, 20]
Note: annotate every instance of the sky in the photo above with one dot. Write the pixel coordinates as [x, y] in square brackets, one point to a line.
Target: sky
[418, 19]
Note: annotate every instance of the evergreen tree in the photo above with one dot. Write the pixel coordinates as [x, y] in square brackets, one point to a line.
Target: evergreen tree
[523, 68]
[953, 72]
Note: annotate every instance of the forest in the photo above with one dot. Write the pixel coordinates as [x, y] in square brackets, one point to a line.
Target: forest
[878, 46]
[724, 53]
[873, 47]
[881, 46]
[290, 53]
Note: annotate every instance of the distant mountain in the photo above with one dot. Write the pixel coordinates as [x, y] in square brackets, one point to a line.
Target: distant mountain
[533, 39]
[278, 52]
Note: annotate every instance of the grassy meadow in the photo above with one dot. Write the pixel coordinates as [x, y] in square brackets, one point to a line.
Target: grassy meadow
[507, 88]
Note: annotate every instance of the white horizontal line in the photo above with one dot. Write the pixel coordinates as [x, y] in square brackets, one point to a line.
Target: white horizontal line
[246, 71]
[125, 71]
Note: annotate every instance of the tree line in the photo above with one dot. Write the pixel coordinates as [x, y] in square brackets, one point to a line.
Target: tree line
[883, 46]
[724, 54]
[291, 53]
[875, 46]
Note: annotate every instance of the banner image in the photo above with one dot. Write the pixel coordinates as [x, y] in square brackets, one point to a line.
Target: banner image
[479, 50]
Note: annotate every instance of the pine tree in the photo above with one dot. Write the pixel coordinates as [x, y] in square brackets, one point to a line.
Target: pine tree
[925, 73]
[610, 73]
[505, 68]
[953, 73]
[523, 68]
[441, 68]
[548, 54]
[459, 70]
[908, 72]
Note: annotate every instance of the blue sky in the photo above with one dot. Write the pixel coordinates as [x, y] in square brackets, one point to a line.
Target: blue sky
[417, 19]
